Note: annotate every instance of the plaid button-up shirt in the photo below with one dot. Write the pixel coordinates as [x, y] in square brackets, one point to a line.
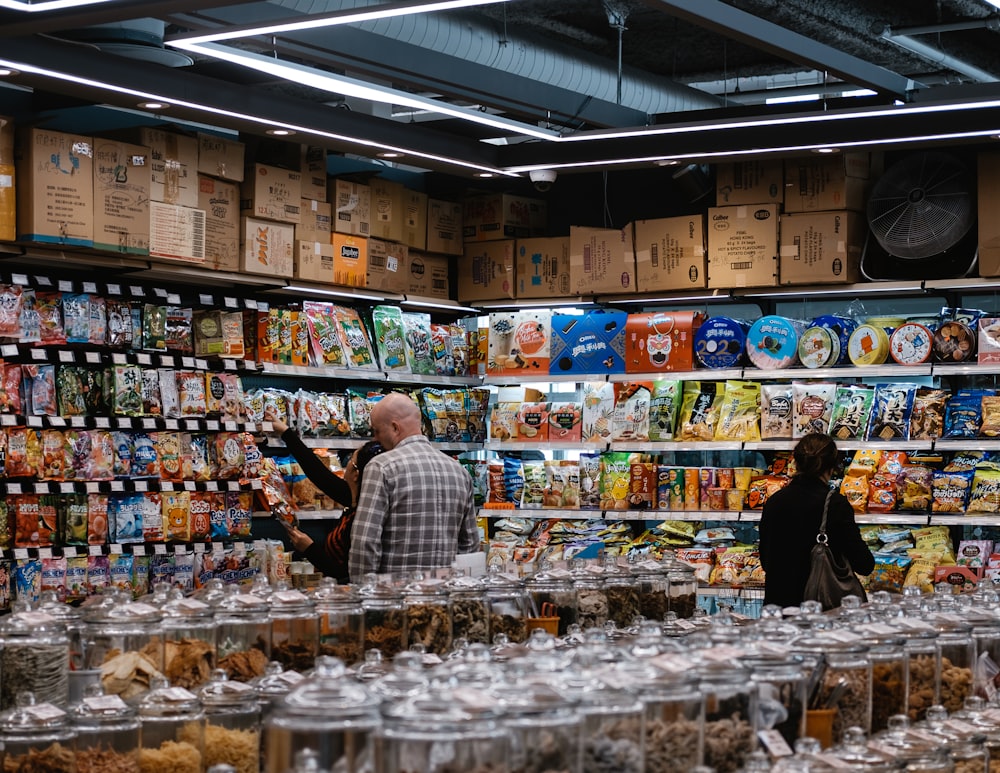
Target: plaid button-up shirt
[415, 511]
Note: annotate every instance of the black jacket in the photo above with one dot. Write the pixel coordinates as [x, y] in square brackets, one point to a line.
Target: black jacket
[788, 528]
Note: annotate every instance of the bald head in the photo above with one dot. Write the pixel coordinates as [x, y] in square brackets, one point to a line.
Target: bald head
[394, 418]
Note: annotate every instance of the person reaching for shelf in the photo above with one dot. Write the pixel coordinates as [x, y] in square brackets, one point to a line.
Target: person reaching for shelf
[330, 556]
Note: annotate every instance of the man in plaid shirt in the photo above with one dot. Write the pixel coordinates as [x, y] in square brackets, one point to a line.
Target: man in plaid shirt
[415, 510]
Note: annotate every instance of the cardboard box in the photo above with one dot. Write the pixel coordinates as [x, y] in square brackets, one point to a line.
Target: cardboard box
[758, 181]
[221, 202]
[350, 260]
[313, 168]
[837, 181]
[542, 268]
[501, 216]
[415, 219]
[387, 266]
[221, 157]
[444, 227]
[821, 248]
[315, 221]
[428, 275]
[266, 247]
[175, 166]
[55, 174]
[661, 341]
[122, 178]
[313, 261]
[352, 207]
[8, 207]
[486, 271]
[670, 253]
[743, 246]
[588, 344]
[271, 193]
[602, 260]
[387, 209]
[176, 233]
[989, 205]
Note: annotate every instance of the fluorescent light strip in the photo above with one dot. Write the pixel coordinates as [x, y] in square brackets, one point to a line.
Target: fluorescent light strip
[888, 112]
[350, 87]
[754, 151]
[28, 68]
[348, 16]
[334, 293]
[49, 5]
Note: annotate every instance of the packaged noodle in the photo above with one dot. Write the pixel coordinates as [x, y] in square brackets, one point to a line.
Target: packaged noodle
[739, 413]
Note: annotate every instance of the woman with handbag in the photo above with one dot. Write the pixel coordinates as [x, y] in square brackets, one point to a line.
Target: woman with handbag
[790, 527]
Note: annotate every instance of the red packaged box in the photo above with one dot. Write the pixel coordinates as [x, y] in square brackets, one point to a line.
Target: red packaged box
[661, 341]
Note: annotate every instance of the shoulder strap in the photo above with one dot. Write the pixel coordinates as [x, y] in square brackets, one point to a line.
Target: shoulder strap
[821, 537]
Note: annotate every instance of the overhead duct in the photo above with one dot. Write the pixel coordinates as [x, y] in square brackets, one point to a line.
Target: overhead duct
[136, 39]
[472, 39]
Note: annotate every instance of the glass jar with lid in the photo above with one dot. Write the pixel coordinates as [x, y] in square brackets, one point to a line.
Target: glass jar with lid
[621, 592]
[34, 657]
[232, 723]
[958, 660]
[242, 633]
[294, 629]
[682, 590]
[781, 693]
[36, 737]
[385, 619]
[552, 595]
[428, 616]
[652, 586]
[730, 714]
[172, 736]
[544, 729]
[107, 731]
[674, 712]
[470, 611]
[341, 621]
[846, 681]
[334, 716]
[443, 731]
[508, 602]
[591, 599]
[124, 640]
[188, 641]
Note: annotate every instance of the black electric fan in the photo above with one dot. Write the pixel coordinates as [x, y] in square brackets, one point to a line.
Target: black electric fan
[921, 214]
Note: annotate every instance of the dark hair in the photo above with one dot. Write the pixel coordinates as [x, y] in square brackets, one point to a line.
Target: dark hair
[815, 454]
[366, 453]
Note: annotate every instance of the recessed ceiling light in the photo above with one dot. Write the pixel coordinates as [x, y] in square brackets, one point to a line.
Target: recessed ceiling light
[389, 154]
[280, 132]
[153, 105]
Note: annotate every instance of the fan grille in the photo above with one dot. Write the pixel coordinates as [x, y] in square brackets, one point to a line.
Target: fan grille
[922, 205]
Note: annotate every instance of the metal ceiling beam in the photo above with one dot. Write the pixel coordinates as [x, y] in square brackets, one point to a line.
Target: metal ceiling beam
[14, 25]
[763, 35]
[178, 86]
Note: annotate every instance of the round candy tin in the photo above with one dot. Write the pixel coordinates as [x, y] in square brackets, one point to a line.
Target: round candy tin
[719, 343]
[842, 326]
[772, 342]
[869, 345]
[954, 342]
[819, 347]
[911, 343]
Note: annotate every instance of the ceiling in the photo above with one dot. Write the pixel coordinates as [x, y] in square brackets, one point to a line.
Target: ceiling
[559, 80]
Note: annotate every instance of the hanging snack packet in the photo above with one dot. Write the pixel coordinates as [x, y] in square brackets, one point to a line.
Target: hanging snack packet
[739, 416]
[852, 406]
[775, 411]
[890, 419]
[700, 409]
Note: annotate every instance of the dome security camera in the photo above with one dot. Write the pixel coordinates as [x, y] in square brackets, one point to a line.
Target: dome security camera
[543, 179]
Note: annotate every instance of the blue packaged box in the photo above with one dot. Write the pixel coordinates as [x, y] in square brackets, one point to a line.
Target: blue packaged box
[588, 344]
